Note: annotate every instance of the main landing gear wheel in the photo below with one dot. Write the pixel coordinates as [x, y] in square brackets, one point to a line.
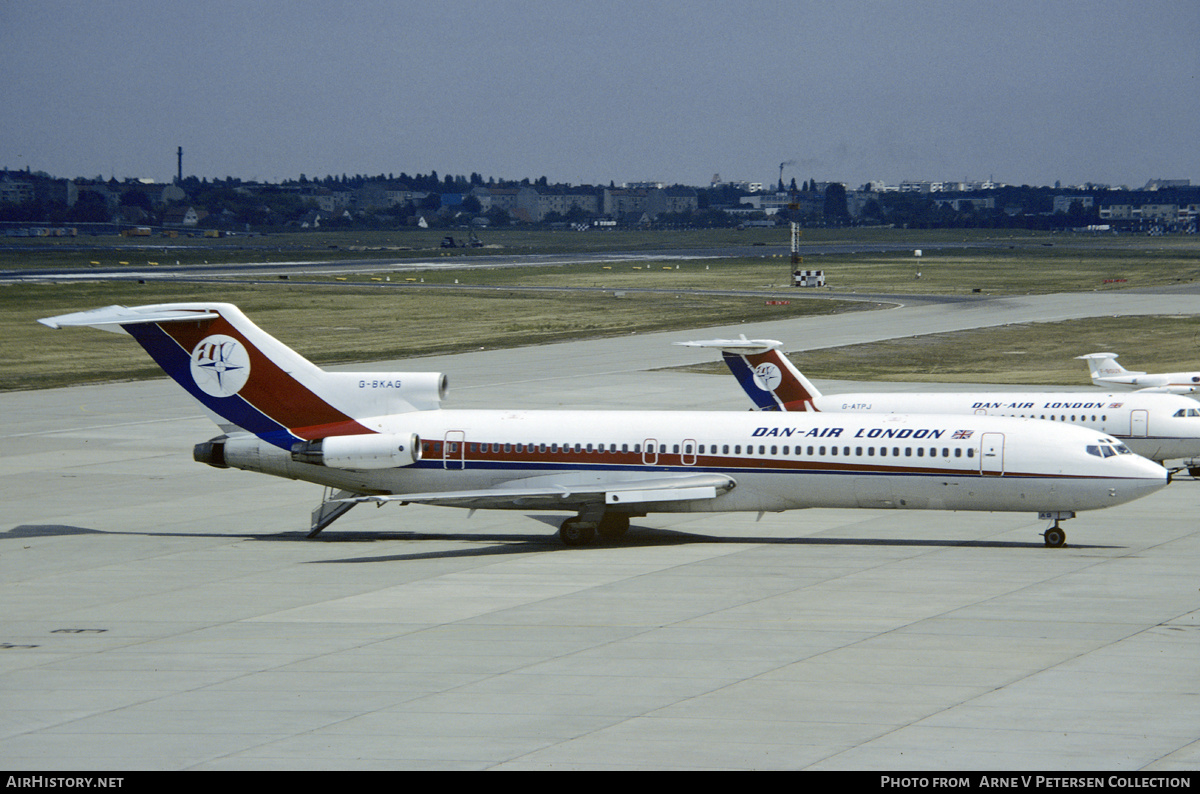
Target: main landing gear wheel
[1055, 536]
[612, 527]
[577, 532]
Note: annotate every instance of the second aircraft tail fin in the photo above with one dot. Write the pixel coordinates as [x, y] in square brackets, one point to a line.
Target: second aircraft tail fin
[1104, 365]
[772, 382]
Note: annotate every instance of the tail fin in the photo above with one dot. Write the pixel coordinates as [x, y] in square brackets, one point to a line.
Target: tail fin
[1104, 365]
[255, 382]
[765, 373]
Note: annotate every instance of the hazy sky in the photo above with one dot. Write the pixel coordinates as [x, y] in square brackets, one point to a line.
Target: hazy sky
[1024, 91]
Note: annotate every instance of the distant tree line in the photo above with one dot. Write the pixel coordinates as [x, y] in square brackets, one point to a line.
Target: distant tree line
[234, 203]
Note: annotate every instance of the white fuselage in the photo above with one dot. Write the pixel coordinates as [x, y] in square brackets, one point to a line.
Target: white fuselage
[1156, 426]
[1173, 382]
[780, 461]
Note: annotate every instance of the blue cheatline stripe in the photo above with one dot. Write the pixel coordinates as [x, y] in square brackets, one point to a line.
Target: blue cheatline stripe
[825, 468]
[744, 373]
[177, 363]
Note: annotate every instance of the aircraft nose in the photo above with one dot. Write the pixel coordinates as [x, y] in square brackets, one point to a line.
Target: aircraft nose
[1146, 476]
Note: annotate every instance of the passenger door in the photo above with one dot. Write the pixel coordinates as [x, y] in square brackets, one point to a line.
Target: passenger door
[454, 450]
[991, 454]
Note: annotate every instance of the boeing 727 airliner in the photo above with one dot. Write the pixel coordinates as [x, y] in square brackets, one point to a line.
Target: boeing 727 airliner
[1157, 426]
[384, 437]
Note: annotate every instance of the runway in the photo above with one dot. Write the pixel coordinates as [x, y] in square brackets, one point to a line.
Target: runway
[160, 614]
[413, 262]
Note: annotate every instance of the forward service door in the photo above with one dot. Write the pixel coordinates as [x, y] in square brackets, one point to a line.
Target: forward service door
[991, 454]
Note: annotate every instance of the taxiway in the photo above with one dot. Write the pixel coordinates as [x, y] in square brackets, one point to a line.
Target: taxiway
[160, 614]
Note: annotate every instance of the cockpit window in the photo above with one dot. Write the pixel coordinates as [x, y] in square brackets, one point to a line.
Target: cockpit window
[1108, 448]
[1188, 412]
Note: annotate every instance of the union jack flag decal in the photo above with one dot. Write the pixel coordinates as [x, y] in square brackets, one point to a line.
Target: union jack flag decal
[961, 434]
[1115, 405]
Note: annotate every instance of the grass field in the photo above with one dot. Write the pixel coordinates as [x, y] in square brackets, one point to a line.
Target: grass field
[344, 324]
[365, 319]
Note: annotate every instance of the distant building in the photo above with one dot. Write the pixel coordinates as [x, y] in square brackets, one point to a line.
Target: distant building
[962, 204]
[653, 201]
[15, 191]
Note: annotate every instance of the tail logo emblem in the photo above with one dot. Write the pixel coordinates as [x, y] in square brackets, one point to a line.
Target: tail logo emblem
[220, 365]
[768, 376]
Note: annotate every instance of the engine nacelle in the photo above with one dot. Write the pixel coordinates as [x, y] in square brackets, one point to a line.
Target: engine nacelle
[211, 452]
[374, 451]
[384, 393]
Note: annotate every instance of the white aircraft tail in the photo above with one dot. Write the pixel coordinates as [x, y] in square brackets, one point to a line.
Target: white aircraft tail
[766, 374]
[255, 382]
[1104, 365]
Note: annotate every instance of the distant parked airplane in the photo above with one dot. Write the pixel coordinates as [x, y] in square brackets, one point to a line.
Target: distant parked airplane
[1107, 372]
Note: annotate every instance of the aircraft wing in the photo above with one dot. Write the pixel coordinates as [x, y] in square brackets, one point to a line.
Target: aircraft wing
[536, 494]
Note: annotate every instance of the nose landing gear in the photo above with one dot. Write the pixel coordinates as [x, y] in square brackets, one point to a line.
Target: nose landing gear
[1055, 536]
